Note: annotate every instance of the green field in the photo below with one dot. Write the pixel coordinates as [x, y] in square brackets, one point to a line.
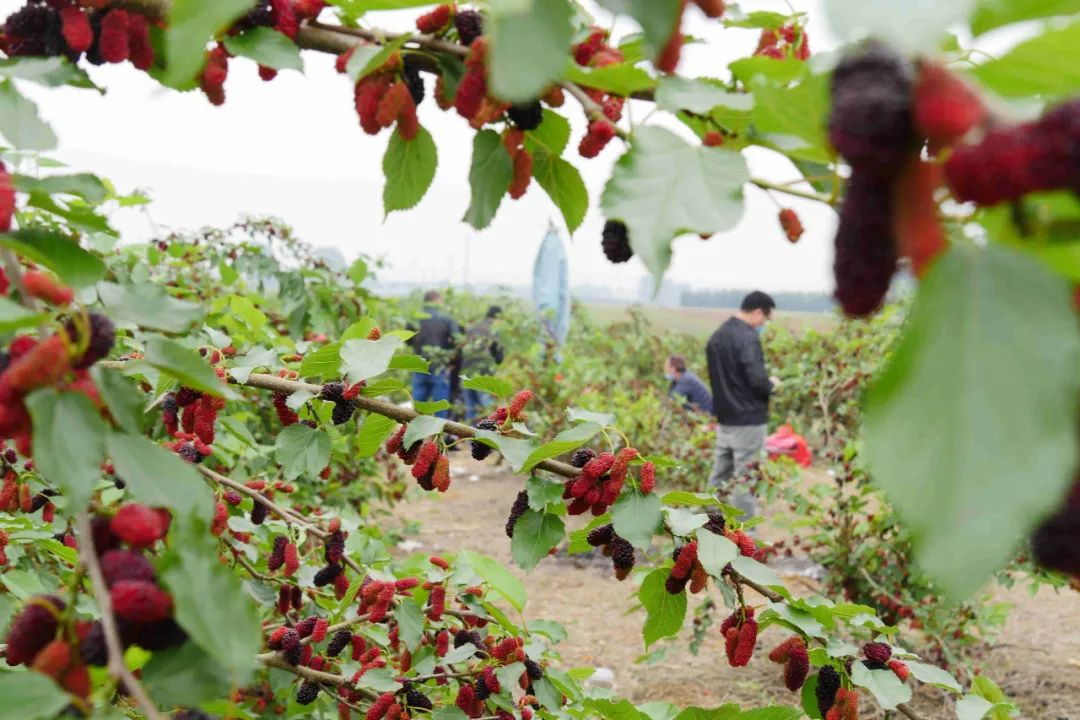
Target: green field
[702, 321]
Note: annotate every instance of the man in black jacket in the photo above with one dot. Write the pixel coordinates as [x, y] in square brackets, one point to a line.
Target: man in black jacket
[436, 341]
[741, 387]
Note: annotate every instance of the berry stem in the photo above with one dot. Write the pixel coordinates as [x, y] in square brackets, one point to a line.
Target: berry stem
[775, 187]
[117, 667]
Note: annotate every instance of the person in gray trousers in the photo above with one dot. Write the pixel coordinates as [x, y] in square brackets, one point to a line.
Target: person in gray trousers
[741, 387]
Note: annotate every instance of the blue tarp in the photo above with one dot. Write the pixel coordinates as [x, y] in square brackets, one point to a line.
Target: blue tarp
[551, 288]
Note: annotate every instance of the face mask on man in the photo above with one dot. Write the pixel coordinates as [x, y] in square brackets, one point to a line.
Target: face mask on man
[669, 376]
[761, 329]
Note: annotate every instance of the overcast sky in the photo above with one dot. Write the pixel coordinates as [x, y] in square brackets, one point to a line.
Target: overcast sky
[293, 148]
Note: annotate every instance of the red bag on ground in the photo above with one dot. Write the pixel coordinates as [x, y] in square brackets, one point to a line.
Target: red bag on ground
[785, 441]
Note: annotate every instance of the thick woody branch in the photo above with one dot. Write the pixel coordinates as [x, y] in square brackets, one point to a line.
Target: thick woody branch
[910, 712]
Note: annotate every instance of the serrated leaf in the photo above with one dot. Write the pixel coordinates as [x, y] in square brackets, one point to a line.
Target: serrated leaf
[952, 475]
[535, 533]
[1047, 64]
[684, 522]
[149, 306]
[422, 427]
[913, 26]
[363, 359]
[528, 42]
[542, 492]
[662, 187]
[637, 517]
[515, 450]
[564, 442]
[797, 110]
[498, 577]
[190, 26]
[933, 675]
[85, 185]
[563, 184]
[657, 18]
[301, 450]
[68, 443]
[72, 264]
[322, 363]
[491, 385]
[366, 59]
[373, 433]
[489, 178]
[157, 477]
[185, 365]
[19, 121]
[887, 689]
[699, 96]
[665, 612]
[753, 570]
[121, 397]
[266, 46]
[229, 632]
[409, 167]
[552, 135]
[410, 619]
[618, 79]
[990, 14]
[715, 552]
[30, 696]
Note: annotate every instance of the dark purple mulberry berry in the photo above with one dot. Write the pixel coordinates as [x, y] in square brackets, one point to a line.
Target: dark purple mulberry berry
[416, 699]
[342, 412]
[480, 690]
[291, 639]
[26, 30]
[158, 635]
[827, 687]
[616, 242]
[306, 626]
[338, 642]
[582, 456]
[307, 693]
[716, 523]
[117, 565]
[875, 665]
[259, 512]
[293, 656]
[327, 575]
[33, 628]
[411, 72]
[185, 396]
[527, 116]
[469, 24]
[480, 451]
[102, 339]
[533, 669]
[675, 585]
[622, 556]
[865, 249]
[871, 121]
[277, 555]
[877, 652]
[464, 637]
[333, 391]
[189, 454]
[92, 649]
[601, 535]
[521, 504]
[335, 547]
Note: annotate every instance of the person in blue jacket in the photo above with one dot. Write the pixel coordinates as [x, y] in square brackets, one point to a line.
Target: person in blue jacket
[687, 387]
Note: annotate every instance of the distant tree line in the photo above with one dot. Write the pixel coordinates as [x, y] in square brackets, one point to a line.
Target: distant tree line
[793, 301]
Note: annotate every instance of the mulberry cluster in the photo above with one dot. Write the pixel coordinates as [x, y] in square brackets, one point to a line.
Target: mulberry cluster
[51, 29]
[595, 52]
[616, 242]
[480, 451]
[1011, 161]
[436, 20]
[792, 653]
[845, 706]
[740, 634]
[31, 641]
[521, 504]
[621, 553]
[687, 570]
[344, 407]
[600, 482]
[386, 97]
[789, 41]
[430, 467]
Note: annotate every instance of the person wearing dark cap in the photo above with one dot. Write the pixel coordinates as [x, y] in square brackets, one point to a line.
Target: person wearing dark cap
[741, 387]
[685, 386]
[480, 355]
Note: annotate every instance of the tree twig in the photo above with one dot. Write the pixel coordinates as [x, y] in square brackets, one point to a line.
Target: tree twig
[117, 667]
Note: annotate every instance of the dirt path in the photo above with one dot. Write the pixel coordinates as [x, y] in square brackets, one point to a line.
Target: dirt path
[1037, 660]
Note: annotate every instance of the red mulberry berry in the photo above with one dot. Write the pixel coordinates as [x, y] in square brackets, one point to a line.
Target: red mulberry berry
[42, 365]
[442, 643]
[284, 412]
[434, 21]
[870, 124]
[466, 700]
[621, 465]
[429, 451]
[276, 637]
[711, 8]
[712, 139]
[206, 411]
[846, 706]
[616, 242]
[685, 563]
[440, 477]
[900, 669]
[598, 466]
[33, 628]
[596, 139]
[305, 627]
[865, 249]
[668, 60]
[137, 525]
[648, 478]
[113, 37]
[393, 445]
[945, 106]
[78, 34]
[141, 49]
[307, 692]
[522, 173]
[439, 562]
[471, 92]
[212, 80]
[587, 49]
[744, 646]
[283, 17]
[277, 555]
[318, 633]
[521, 504]
[327, 575]
[335, 547]
[341, 586]
[284, 599]
[7, 206]
[436, 603]
[470, 26]
[140, 601]
[791, 224]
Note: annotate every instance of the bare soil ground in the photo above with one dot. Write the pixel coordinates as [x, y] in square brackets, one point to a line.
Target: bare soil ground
[1036, 661]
